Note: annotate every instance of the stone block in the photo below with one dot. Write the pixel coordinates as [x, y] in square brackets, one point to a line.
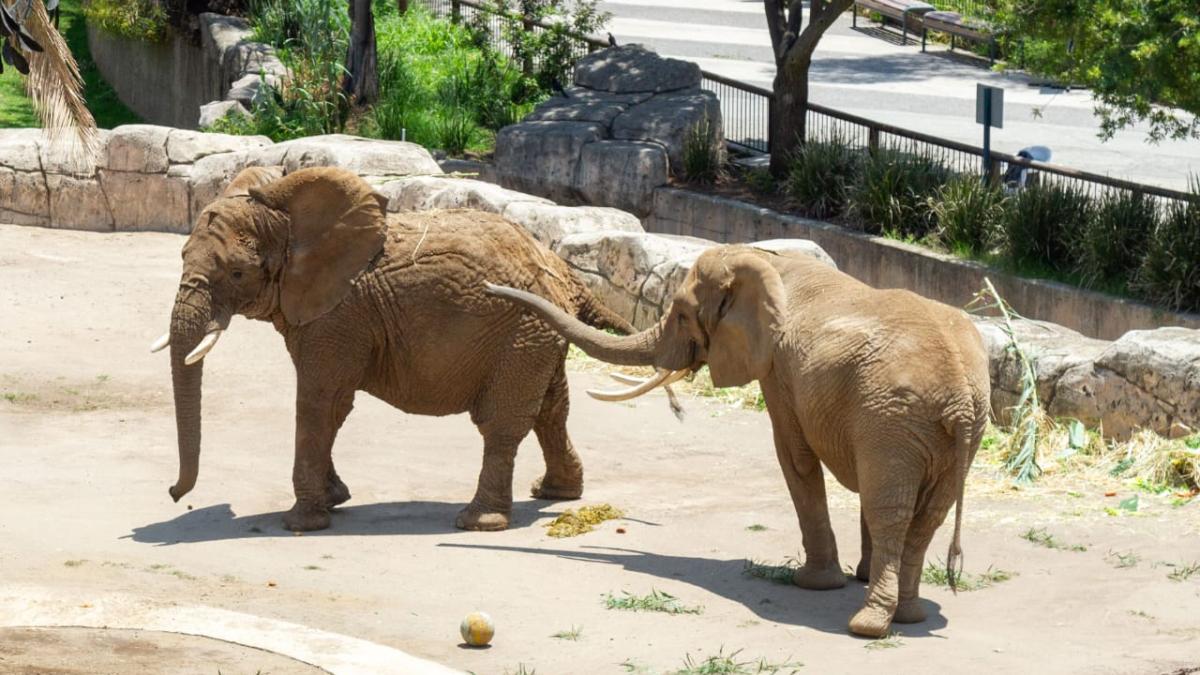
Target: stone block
[138, 147]
[217, 110]
[550, 223]
[425, 193]
[622, 174]
[366, 157]
[24, 192]
[633, 68]
[147, 202]
[542, 157]
[186, 147]
[78, 204]
[666, 119]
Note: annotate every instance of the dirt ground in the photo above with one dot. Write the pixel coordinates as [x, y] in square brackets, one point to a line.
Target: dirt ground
[87, 451]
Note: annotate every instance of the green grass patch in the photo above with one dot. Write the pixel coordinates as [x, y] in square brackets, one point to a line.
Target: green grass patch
[756, 528]
[935, 575]
[656, 601]
[1040, 537]
[729, 664]
[780, 574]
[890, 641]
[573, 634]
[1184, 572]
[1121, 560]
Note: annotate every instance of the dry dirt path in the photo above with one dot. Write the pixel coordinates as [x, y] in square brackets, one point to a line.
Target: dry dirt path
[87, 452]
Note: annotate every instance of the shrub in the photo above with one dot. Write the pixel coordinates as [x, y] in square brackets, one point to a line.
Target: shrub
[820, 175]
[142, 20]
[545, 54]
[1113, 242]
[1170, 271]
[891, 194]
[703, 153]
[454, 132]
[1044, 222]
[969, 213]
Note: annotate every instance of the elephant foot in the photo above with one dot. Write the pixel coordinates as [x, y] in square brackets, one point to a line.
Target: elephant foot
[863, 571]
[819, 577]
[909, 611]
[336, 492]
[306, 518]
[872, 622]
[478, 518]
[543, 488]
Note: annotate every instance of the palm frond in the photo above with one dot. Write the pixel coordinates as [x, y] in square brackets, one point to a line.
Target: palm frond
[56, 88]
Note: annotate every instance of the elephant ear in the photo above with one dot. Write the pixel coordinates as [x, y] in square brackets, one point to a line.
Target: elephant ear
[251, 177]
[742, 316]
[338, 225]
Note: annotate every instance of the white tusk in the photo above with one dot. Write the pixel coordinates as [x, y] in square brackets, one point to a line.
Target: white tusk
[205, 346]
[628, 379]
[662, 377]
[161, 343]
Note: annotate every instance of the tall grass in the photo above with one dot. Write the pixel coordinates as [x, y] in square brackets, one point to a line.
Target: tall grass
[1169, 274]
[1113, 240]
[820, 175]
[969, 214]
[703, 153]
[891, 194]
[1044, 223]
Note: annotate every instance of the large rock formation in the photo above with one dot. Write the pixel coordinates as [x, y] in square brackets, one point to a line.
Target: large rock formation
[615, 136]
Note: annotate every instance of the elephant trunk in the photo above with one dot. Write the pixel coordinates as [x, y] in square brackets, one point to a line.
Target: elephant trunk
[189, 319]
[638, 349]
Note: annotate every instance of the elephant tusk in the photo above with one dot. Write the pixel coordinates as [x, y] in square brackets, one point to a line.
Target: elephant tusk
[628, 379]
[661, 378]
[161, 343]
[205, 346]
[672, 399]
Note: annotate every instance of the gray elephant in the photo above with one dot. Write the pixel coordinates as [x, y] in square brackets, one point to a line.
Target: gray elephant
[391, 306]
[887, 389]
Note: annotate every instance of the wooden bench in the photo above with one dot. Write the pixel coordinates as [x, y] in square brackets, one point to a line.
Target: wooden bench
[897, 10]
[956, 25]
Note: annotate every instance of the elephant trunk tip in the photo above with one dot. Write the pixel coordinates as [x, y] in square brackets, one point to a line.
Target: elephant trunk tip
[178, 490]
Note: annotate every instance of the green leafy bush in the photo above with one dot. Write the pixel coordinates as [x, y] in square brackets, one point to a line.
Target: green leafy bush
[1044, 223]
[969, 214]
[142, 20]
[821, 174]
[703, 153]
[1170, 271]
[891, 194]
[545, 54]
[1111, 245]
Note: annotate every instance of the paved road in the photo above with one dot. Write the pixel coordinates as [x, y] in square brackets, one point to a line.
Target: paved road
[871, 74]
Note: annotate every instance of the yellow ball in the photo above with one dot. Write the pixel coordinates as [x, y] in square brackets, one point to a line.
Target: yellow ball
[477, 629]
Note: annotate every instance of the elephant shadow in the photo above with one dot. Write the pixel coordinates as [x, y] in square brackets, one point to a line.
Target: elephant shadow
[825, 611]
[220, 523]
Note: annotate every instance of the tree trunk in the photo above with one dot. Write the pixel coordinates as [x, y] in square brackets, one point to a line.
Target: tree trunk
[789, 117]
[402, 6]
[362, 74]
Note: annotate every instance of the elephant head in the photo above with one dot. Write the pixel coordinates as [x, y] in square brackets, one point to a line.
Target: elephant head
[272, 248]
[726, 314]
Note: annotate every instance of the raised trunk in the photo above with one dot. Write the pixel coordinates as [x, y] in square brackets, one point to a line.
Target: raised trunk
[627, 350]
[790, 114]
[192, 313]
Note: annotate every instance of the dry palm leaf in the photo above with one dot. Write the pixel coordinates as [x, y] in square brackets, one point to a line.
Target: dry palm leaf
[56, 87]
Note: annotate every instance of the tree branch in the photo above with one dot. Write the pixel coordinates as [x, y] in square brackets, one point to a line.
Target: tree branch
[776, 20]
[795, 17]
[817, 25]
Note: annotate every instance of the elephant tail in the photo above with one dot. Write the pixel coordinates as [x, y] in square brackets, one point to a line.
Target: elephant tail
[967, 432]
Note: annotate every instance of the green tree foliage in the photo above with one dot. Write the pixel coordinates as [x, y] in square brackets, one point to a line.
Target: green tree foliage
[1141, 58]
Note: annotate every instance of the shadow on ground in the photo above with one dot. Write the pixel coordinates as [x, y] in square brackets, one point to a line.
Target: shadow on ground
[220, 523]
[826, 611]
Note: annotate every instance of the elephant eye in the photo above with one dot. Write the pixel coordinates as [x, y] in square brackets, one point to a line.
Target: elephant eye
[237, 275]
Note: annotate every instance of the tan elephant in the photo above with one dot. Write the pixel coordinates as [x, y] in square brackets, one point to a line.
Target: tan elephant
[887, 389]
[391, 306]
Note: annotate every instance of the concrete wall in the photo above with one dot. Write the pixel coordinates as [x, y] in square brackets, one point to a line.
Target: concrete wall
[884, 263]
[164, 83]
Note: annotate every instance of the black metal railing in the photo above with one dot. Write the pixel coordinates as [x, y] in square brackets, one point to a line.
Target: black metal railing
[746, 116]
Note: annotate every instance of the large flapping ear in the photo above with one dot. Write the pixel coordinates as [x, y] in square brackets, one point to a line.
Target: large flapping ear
[741, 314]
[251, 177]
[337, 227]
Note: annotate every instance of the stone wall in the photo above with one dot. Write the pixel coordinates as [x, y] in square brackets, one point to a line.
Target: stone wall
[157, 178]
[886, 263]
[172, 82]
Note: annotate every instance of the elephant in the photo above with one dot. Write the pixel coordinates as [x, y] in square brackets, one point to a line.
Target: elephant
[392, 306]
[887, 389]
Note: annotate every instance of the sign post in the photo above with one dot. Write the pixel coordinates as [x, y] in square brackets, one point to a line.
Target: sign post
[989, 111]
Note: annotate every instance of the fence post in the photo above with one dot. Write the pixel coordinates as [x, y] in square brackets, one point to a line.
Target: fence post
[455, 11]
[993, 171]
[873, 141]
[771, 121]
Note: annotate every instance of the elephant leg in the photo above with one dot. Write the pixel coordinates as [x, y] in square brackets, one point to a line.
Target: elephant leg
[564, 470]
[806, 483]
[889, 497]
[863, 571]
[492, 504]
[929, 516]
[336, 492]
[320, 412]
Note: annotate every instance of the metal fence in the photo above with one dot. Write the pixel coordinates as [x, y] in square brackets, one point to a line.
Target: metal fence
[746, 116]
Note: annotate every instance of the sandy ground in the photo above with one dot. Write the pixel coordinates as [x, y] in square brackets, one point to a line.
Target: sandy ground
[87, 452]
